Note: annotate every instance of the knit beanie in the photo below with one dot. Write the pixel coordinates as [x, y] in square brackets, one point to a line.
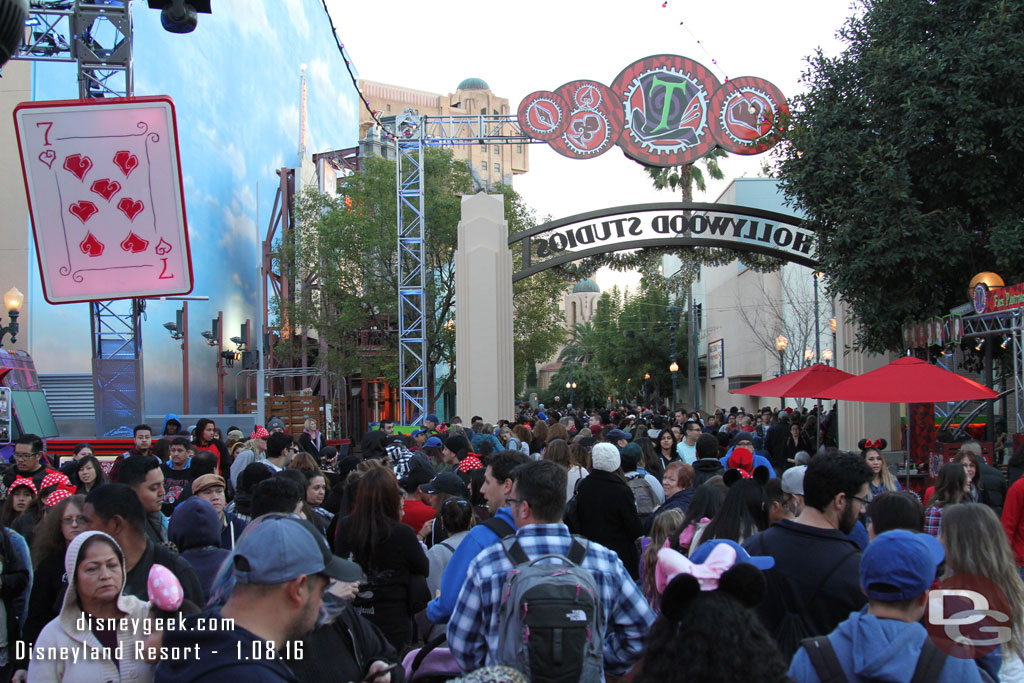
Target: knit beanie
[605, 457]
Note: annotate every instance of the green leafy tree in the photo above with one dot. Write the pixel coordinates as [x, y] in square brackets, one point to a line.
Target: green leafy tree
[592, 388]
[342, 259]
[906, 154]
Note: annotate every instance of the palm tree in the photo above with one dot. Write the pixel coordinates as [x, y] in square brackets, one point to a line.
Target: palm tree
[686, 176]
[581, 348]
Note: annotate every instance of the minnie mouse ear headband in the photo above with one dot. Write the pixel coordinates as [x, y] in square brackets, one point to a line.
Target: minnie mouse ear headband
[733, 475]
[868, 444]
[259, 433]
[54, 479]
[710, 561]
[164, 589]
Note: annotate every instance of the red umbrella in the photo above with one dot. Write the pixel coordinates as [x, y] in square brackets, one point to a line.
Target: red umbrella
[807, 382]
[908, 380]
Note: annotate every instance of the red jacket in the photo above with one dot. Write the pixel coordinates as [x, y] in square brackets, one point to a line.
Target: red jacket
[1013, 520]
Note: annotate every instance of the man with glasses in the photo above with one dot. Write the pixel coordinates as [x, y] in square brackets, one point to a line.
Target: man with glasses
[281, 449]
[28, 462]
[687, 448]
[537, 504]
[815, 584]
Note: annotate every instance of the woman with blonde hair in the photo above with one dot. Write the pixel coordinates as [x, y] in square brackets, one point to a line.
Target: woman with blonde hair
[663, 527]
[976, 544]
[882, 480]
[524, 435]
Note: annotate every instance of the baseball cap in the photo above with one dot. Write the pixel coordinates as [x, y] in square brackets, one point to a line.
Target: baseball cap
[704, 549]
[431, 418]
[446, 482]
[617, 434]
[793, 480]
[278, 548]
[900, 565]
[419, 473]
[207, 481]
[434, 442]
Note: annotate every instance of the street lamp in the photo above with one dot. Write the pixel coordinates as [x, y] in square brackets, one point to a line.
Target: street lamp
[13, 299]
[833, 324]
[780, 345]
[809, 356]
[571, 386]
[827, 356]
[673, 367]
[647, 376]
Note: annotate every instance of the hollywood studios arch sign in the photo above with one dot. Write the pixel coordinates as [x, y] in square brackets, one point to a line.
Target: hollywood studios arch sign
[663, 110]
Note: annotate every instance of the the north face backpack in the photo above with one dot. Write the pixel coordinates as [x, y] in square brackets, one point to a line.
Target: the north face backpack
[551, 618]
[646, 500]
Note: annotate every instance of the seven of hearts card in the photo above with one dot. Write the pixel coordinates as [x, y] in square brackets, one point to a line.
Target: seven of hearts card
[103, 179]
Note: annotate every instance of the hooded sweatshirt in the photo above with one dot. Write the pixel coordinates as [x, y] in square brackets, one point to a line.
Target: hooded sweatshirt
[195, 529]
[869, 648]
[63, 632]
[171, 417]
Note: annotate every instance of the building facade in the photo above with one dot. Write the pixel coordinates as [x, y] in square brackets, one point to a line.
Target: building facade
[489, 164]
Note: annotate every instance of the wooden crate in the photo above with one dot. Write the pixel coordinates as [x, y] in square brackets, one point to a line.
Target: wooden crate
[293, 410]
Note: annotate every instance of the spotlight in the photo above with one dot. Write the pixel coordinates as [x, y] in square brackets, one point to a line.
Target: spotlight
[13, 19]
[180, 16]
[1006, 342]
[981, 343]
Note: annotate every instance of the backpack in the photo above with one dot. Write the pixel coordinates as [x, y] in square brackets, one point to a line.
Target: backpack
[551, 619]
[572, 510]
[826, 664]
[643, 492]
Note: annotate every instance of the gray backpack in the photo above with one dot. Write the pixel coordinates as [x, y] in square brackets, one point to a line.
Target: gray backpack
[646, 500]
[551, 618]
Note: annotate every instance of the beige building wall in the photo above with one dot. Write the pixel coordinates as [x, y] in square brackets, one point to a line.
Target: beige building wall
[490, 164]
[15, 87]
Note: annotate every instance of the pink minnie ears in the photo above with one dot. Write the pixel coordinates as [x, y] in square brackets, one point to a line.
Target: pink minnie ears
[672, 563]
[164, 589]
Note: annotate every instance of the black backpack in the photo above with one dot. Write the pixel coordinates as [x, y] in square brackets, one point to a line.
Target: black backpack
[826, 664]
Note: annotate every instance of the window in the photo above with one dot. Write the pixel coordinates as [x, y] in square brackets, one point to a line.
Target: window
[497, 168]
[743, 381]
[483, 165]
[388, 107]
[519, 149]
[496, 148]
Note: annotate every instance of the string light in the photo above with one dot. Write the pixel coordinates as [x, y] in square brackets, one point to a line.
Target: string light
[355, 82]
[714, 61]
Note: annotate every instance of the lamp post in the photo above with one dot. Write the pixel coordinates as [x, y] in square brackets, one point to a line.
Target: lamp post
[817, 320]
[826, 355]
[780, 345]
[808, 356]
[673, 367]
[571, 387]
[179, 330]
[13, 299]
[647, 376]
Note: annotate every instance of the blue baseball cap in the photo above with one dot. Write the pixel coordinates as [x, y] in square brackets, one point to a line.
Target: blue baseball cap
[704, 549]
[431, 418]
[617, 434]
[900, 565]
[280, 548]
[433, 442]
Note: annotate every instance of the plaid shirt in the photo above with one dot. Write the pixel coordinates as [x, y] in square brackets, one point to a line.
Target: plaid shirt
[473, 627]
[933, 519]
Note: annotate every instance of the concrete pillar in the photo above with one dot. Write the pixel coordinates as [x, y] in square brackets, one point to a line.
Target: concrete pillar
[483, 302]
[858, 420]
[15, 87]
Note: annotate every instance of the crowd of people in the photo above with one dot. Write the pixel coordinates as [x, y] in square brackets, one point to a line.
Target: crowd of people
[640, 544]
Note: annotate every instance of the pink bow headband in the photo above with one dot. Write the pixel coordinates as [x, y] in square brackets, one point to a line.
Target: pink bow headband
[672, 563]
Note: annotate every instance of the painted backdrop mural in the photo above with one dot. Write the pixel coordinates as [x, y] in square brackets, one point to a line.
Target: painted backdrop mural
[235, 82]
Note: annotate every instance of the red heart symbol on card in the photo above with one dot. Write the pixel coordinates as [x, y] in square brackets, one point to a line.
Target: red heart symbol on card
[134, 244]
[130, 207]
[83, 210]
[126, 161]
[78, 165]
[106, 188]
[163, 247]
[48, 157]
[91, 246]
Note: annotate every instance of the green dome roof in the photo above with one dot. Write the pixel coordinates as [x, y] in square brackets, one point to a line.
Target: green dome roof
[474, 84]
[587, 285]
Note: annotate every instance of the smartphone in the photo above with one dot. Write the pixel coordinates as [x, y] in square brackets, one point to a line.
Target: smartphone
[370, 678]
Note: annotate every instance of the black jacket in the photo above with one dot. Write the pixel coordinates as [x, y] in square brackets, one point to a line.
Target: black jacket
[607, 513]
[343, 651]
[678, 501]
[994, 484]
[816, 576]
[704, 469]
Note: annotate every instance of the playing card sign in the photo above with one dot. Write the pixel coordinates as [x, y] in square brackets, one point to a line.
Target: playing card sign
[103, 179]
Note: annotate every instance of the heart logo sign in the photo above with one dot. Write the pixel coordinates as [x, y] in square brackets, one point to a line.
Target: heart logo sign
[83, 210]
[164, 247]
[126, 161]
[130, 207]
[48, 157]
[78, 165]
[91, 246]
[106, 188]
[748, 115]
[134, 244]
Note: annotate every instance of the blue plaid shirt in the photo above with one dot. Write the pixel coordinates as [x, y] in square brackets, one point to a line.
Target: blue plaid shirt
[473, 627]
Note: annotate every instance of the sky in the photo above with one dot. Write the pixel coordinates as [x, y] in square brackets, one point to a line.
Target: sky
[530, 45]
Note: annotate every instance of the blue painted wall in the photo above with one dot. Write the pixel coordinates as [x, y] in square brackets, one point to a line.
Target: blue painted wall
[235, 82]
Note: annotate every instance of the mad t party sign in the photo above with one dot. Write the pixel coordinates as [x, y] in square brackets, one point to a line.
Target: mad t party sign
[103, 179]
